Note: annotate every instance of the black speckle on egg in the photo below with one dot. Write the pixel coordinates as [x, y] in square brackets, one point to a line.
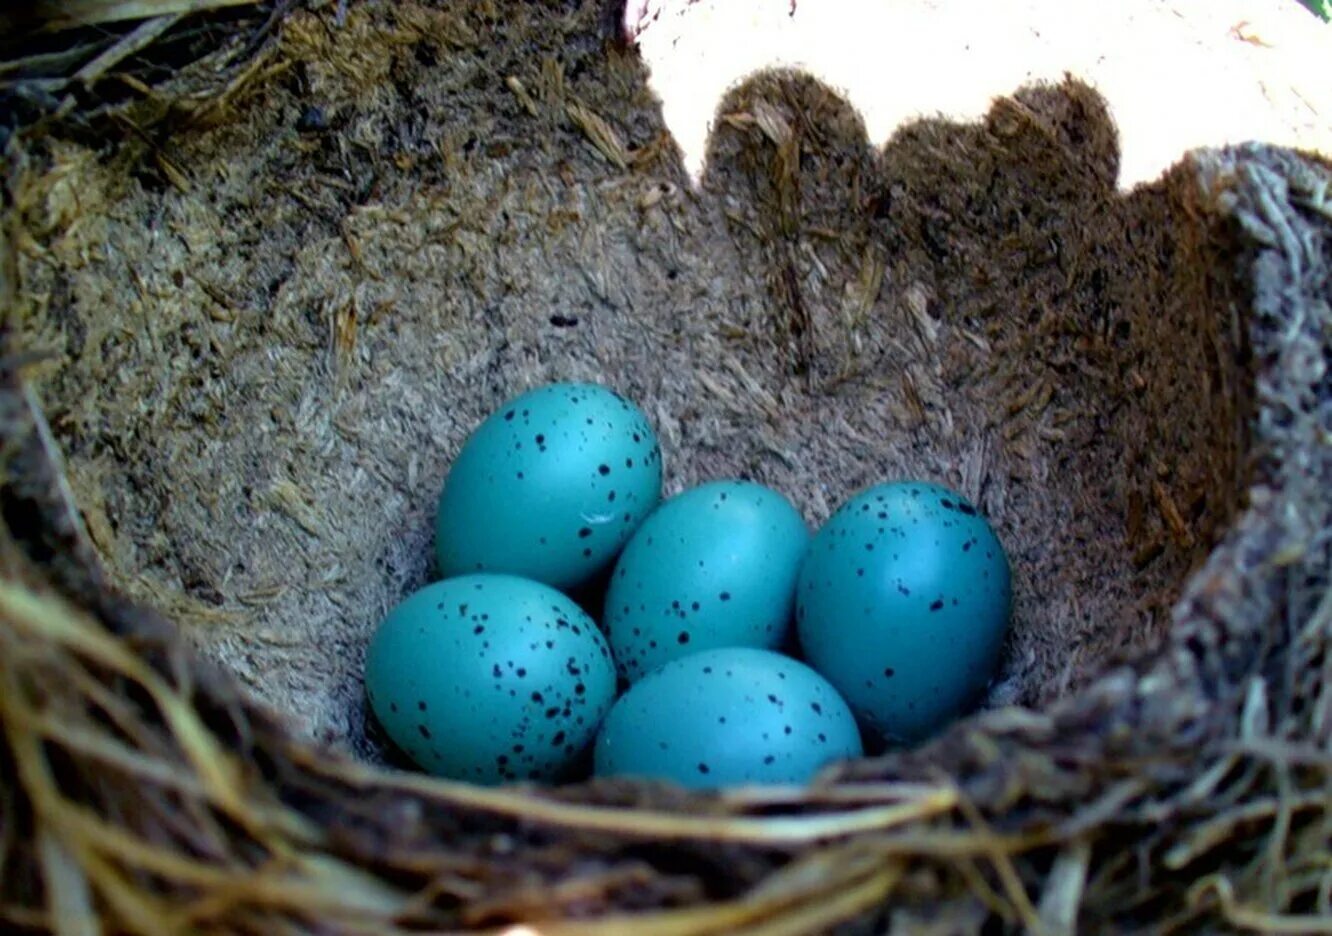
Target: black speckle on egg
[552, 712]
[682, 638]
[610, 498]
[769, 760]
[704, 768]
[393, 707]
[587, 553]
[558, 739]
[584, 533]
[538, 698]
[707, 671]
[508, 417]
[823, 738]
[603, 470]
[479, 629]
[725, 596]
[937, 605]
[818, 709]
[889, 673]
[497, 672]
[425, 732]
[420, 705]
[786, 729]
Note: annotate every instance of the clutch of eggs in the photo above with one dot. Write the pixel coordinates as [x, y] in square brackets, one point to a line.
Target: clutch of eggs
[900, 603]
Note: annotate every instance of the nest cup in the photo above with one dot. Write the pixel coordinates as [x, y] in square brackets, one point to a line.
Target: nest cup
[261, 338]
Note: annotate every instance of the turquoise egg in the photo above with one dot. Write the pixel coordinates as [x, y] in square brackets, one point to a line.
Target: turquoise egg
[903, 604]
[490, 678]
[715, 566]
[549, 487]
[725, 717]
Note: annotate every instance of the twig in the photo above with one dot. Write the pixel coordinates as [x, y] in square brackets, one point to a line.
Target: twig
[74, 13]
[68, 503]
[136, 41]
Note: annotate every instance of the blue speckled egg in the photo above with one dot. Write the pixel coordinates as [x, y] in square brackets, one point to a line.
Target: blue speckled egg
[490, 678]
[903, 604]
[724, 717]
[715, 566]
[549, 487]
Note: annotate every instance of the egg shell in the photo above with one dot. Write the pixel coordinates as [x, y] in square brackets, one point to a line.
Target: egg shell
[727, 717]
[490, 678]
[550, 487]
[715, 566]
[903, 604]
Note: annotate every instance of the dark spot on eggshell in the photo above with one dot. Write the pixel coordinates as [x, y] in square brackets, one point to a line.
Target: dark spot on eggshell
[937, 605]
[682, 638]
[725, 596]
[420, 705]
[769, 760]
[425, 732]
[538, 698]
[704, 768]
[584, 533]
[558, 739]
[889, 673]
[818, 709]
[603, 470]
[393, 707]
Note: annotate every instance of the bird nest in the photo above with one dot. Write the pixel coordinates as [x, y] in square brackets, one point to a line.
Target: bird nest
[252, 313]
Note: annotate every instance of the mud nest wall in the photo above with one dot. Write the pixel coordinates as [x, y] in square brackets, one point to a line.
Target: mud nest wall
[249, 350]
[266, 365]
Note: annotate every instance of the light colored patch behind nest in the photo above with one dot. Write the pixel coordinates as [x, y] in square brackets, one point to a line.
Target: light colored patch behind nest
[1177, 76]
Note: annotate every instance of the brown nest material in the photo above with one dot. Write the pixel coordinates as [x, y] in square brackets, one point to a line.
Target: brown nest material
[244, 336]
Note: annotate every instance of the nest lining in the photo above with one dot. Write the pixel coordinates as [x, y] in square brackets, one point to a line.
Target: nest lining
[287, 354]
